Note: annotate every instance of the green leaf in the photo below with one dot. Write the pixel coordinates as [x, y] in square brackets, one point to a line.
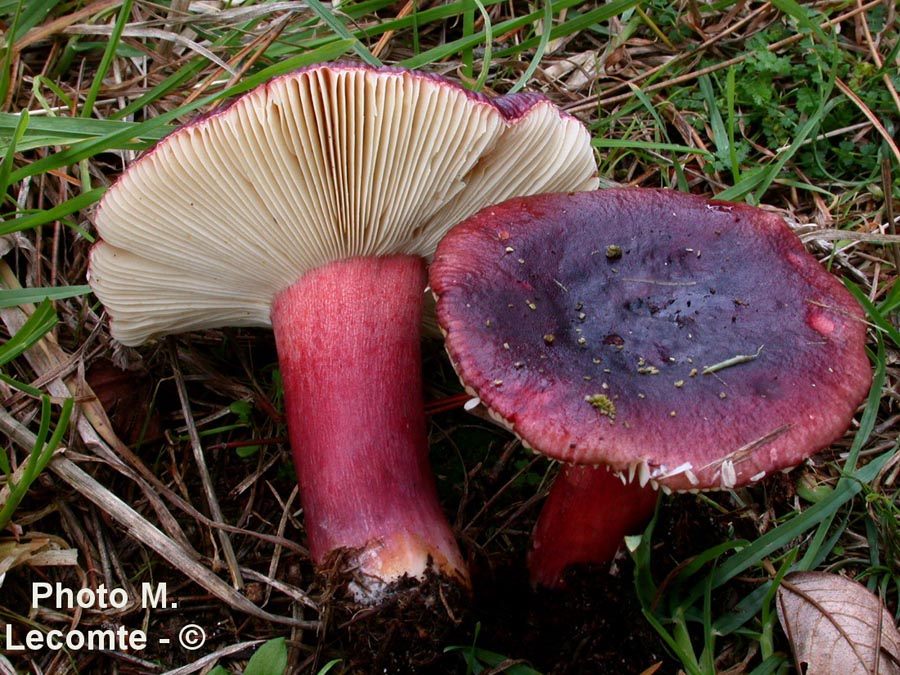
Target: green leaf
[449, 49]
[12, 28]
[328, 666]
[106, 62]
[539, 51]
[270, 659]
[10, 150]
[801, 15]
[21, 386]
[246, 451]
[328, 52]
[717, 124]
[242, 409]
[36, 327]
[762, 178]
[33, 13]
[580, 23]
[125, 137]
[342, 31]
[649, 145]
[40, 456]
[477, 658]
[875, 316]
[5, 466]
[57, 212]
[43, 131]
[641, 548]
[21, 296]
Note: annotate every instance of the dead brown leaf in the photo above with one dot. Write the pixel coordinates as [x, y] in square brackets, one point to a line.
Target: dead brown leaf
[835, 625]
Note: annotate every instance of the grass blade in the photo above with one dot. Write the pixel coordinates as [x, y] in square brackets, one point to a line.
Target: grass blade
[41, 453]
[873, 313]
[16, 297]
[50, 215]
[115, 38]
[341, 31]
[10, 151]
[547, 24]
[37, 326]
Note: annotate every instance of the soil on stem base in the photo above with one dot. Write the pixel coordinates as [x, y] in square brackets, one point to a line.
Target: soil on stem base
[348, 338]
[405, 633]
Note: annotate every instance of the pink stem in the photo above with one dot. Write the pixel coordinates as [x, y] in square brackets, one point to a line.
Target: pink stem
[584, 519]
[348, 345]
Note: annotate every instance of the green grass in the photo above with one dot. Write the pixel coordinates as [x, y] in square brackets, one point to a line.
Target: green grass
[739, 102]
[47, 443]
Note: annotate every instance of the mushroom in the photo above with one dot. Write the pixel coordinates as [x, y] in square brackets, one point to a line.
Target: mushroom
[309, 205]
[681, 343]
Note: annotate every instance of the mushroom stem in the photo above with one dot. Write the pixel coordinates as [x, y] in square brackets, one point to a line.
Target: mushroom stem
[587, 513]
[348, 337]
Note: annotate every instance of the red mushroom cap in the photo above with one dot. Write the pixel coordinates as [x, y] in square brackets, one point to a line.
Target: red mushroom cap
[690, 343]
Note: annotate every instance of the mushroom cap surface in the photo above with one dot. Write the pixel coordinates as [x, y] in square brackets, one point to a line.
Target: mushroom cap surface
[690, 343]
[326, 163]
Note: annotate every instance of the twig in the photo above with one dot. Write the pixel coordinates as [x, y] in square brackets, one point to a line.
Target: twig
[733, 361]
[838, 235]
[55, 26]
[655, 282]
[205, 480]
[872, 117]
[208, 660]
[162, 35]
[383, 41]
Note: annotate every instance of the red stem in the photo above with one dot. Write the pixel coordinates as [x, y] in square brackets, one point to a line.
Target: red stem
[584, 519]
[348, 345]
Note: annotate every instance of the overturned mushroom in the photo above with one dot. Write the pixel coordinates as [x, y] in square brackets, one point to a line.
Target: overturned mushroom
[681, 343]
[308, 205]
